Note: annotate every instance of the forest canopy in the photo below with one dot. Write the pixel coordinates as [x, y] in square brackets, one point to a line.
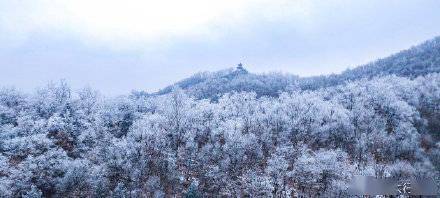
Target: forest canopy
[240, 134]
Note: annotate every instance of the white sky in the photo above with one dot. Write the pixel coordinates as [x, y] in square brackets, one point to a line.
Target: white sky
[123, 23]
[116, 46]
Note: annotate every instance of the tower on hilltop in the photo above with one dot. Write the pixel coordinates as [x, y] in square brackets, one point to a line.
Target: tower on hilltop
[240, 67]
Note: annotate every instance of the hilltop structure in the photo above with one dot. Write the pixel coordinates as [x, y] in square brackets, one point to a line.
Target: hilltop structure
[240, 69]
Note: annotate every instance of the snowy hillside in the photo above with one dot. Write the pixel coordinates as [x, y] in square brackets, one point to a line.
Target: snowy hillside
[416, 61]
[262, 135]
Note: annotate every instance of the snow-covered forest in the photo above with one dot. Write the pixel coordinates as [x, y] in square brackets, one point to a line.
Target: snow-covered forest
[253, 135]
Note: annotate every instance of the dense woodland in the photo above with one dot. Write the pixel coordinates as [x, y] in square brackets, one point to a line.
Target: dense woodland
[240, 135]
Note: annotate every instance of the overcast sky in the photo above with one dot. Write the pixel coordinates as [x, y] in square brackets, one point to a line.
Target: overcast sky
[119, 46]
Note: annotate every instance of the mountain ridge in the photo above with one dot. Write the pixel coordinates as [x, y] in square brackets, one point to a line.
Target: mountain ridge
[418, 60]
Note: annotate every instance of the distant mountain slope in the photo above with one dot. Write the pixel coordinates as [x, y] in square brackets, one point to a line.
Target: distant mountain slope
[413, 62]
[416, 61]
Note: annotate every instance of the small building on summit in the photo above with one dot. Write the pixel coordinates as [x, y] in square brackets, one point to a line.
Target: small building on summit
[240, 69]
